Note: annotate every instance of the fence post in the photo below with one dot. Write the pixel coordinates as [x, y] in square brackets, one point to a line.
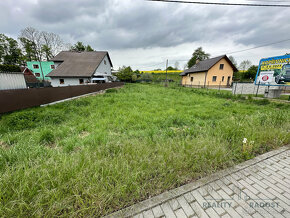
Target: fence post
[235, 88]
[258, 89]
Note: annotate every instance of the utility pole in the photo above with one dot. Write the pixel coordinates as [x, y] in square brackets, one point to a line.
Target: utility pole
[166, 81]
[41, 70]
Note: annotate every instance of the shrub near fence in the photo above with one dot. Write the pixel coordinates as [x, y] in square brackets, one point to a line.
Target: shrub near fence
[11, 100]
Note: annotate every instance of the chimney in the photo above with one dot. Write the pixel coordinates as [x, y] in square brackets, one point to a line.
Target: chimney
[197, 61]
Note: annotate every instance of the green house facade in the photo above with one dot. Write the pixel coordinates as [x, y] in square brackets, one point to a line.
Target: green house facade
[35, 67]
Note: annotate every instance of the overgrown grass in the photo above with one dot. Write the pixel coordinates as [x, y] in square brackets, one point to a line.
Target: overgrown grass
[94, 155]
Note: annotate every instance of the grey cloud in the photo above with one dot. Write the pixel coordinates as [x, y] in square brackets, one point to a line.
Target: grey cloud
[116, 24]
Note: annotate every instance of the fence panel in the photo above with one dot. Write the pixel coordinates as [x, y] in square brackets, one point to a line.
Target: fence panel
[11, 100]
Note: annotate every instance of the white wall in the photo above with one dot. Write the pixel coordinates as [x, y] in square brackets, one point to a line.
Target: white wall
[104, 68]
[67, 81]
[12, 81]
[247, 88]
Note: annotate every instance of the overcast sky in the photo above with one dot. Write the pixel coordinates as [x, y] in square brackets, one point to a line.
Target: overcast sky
[144, 34]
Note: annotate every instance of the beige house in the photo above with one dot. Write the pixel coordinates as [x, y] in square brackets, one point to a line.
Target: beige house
[214, 72]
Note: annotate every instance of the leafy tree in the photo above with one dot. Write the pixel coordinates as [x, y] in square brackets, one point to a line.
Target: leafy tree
[9, 68]
[137, 72]
[171, 68]
[198, 54]
[79, 46]
[28, 48]
[233, 60]
[251, 72]
[47, 52]
[10, 53]
[245, 65]
[89, 48]
[134, 78]
[125, 74]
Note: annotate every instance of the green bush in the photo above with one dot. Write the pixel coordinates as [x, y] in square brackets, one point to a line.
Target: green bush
[30, 119]
[9, 68]
[20, 120]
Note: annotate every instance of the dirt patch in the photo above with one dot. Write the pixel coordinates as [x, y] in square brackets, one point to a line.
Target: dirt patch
[3, 145]
[84, 134]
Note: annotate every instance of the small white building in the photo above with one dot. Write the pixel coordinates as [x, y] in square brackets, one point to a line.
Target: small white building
[12, 80]
[80, 68]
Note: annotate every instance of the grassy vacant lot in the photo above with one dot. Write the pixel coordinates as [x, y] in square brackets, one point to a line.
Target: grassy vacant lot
[97, 154]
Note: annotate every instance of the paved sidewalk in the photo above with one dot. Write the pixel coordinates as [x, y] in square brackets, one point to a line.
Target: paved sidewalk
[256, 188]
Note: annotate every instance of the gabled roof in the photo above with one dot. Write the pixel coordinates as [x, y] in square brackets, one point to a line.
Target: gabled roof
[30, 79]
[206, 65]
[78, 64]
[26, 71]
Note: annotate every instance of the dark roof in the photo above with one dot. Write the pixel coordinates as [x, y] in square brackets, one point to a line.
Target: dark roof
[30, 79]
[206, 65]
[78, 64]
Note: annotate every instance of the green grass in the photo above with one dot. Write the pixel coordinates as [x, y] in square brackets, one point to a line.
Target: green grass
[285, 97]
[94, 155]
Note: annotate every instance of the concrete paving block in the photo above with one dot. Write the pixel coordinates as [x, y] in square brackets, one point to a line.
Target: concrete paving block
[148, 214]
[185, 206]
[167, 210]
[157, 211]
[180, 213]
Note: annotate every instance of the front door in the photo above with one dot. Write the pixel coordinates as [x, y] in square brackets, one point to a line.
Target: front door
[228, 81]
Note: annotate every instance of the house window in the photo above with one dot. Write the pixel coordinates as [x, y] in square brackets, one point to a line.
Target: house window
[81, 81]
[37, 74]
[191, 79]
[223, 78]
[35, 66]
[105, 62]
[61, 81]
[214, 78]
[52, 67]
[221, 66]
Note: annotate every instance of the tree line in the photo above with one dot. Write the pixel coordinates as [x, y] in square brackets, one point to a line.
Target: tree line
[34, 45]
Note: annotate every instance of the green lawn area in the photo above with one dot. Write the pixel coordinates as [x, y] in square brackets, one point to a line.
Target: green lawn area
[94, 155]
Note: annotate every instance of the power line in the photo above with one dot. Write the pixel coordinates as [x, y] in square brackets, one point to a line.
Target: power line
[221, 3]
[259, 46]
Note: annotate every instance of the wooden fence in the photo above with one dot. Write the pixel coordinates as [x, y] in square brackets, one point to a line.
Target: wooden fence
[11, 100]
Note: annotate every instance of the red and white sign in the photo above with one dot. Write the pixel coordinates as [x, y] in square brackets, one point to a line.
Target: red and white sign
[266, 77]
